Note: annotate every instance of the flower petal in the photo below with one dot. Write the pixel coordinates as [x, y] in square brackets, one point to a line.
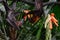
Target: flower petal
[50, 24]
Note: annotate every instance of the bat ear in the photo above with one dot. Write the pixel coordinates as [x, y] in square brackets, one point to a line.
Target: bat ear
[26, 11]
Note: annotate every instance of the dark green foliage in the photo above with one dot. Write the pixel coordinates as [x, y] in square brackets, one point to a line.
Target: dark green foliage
[27, 30]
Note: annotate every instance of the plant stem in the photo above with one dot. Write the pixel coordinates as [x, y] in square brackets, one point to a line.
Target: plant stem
[48, 33]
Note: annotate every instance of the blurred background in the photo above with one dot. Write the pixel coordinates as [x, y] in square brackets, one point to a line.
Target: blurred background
[29, 31]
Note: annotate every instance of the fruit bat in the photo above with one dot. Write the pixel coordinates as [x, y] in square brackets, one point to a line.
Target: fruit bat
[33, 16]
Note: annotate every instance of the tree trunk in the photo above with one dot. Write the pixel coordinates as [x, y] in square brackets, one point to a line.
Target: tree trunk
[12, 33]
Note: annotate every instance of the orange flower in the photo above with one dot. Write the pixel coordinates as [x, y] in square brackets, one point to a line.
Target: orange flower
[50, 24]
[53, 20]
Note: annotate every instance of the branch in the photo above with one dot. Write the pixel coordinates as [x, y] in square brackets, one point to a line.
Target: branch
[11, 19]
[27, 2]
[16, 14]
[49, 3]
[6, 6]
[1, 11]
[13, 4]
[12, 23]
[0, 0]
[44, 4]
[38, 4]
